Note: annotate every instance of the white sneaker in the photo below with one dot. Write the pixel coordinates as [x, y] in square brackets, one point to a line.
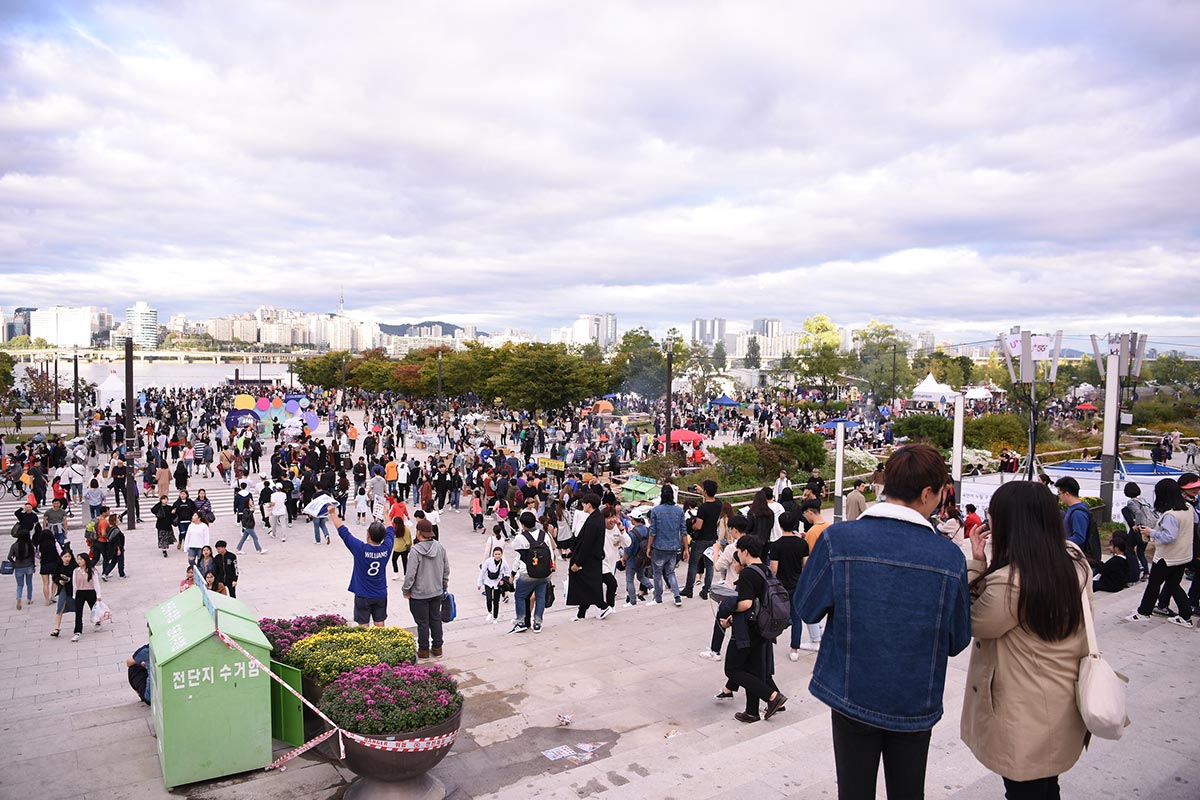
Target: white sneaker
[628, 604]
[812, 646]
[794, 655]
[262, 552]
[609, 610]
[1181, 622]
[1136, 617]
[238, 552]
[709, 655]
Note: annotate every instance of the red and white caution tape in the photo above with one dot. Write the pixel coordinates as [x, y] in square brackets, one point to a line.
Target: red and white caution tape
[417, 745]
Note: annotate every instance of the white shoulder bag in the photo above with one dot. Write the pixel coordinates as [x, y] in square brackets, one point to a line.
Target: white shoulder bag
[1099, 690]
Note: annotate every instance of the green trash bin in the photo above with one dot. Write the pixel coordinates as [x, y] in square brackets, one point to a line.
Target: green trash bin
[211, 705]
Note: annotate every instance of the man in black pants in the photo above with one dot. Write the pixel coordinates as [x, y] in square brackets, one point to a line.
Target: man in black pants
[704, 535]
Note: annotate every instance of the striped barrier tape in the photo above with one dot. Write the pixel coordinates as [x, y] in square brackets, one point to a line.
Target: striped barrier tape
[419, 745]
[307, 745]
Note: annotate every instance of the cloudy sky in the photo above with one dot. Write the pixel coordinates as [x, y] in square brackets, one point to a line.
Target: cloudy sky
[957, 167]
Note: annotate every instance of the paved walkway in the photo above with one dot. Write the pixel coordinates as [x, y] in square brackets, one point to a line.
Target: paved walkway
[70, 727]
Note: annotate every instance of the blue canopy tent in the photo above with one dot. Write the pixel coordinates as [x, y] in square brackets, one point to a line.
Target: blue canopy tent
[832, 423]
[723, 400]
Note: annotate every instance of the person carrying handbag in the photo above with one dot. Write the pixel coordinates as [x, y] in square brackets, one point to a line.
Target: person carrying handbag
[1020, 717]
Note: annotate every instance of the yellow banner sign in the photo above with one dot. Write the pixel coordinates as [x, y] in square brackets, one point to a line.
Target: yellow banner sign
[552, 464]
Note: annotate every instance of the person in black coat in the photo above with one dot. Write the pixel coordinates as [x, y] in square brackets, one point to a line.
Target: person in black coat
[225, 568]
[586, 585]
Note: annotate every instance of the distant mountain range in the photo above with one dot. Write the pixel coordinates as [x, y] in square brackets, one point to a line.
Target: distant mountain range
[409, 329]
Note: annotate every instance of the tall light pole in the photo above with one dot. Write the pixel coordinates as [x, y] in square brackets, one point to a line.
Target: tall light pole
[76, 392]
[441, 399]
[130, 439]
[1122, 371]
[670, 380]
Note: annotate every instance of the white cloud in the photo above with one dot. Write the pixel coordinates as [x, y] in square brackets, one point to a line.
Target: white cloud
[947, 167]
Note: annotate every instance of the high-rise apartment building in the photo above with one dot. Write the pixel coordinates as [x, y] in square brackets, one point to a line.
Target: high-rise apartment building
[708, 331]
[599, 329]
[769, 328]
[141, 325]
[62, 326]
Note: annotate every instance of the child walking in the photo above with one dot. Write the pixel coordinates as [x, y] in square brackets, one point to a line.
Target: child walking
[476, 511]
[361, 506]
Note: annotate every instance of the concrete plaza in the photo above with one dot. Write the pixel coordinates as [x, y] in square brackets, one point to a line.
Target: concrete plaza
[71, 728]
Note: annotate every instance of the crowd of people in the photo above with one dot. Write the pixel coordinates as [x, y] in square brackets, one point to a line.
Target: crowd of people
[775, 566]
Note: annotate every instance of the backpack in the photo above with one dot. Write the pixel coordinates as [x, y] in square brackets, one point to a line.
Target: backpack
[537, 557]
[773, 612]
[1091, 544]
[89, 531]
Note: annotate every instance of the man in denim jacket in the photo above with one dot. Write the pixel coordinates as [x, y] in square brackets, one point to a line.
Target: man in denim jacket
[898, 606]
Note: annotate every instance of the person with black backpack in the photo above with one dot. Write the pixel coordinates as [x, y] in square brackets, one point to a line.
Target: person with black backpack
[1081, 526]
[535, 565]
[756, 615]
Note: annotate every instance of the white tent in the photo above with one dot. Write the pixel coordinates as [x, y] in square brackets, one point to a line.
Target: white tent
[978, 393]
[930, 391]
[111, 392]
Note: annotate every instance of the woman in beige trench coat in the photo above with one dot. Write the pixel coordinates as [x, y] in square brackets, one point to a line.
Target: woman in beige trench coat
[1019, 717]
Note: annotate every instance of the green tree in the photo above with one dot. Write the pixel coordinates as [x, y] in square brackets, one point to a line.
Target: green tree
[786, 367]
[324, 371]
[753, 359]
[541, 377]
[7, 376]
[719, 356]
[822, 366]
[929, 428]
[640, 364]
[819, 329]
[883, 361]
[700, 370]
[1171, 370]
[18, 343]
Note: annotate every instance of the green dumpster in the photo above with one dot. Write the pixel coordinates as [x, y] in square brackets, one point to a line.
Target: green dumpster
[638, 489]
[211, 705]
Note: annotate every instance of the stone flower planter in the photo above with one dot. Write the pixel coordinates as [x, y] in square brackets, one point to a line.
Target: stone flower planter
[386, 771]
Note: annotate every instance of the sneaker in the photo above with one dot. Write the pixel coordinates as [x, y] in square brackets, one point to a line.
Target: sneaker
[518, 627]
[703, 595]
[75, 638]
[709, 655]
[238, 552]
[606, 612]
[811, 646]
[688, 595]
[537, 627]
[578, 619]
[1181, 622]
[628, 604]
[283, 539]
[123, 577]
[1136, 617]
[105, 578]
[794, 655]
[262, 552]
[678, 602]
[658, 602]
[1159, 611]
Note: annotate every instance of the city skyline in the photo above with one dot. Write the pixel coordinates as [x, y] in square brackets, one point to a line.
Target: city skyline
[740, 162]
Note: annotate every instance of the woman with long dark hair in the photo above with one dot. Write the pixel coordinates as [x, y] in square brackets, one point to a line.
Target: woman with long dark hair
[87, 590]
[762, 521]
[1019, 717]
[1172, 553]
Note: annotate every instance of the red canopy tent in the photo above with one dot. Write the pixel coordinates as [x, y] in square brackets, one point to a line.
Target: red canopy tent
[680, 435]
[1086, 407]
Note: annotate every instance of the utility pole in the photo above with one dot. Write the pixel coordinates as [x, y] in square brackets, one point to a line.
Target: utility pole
[670, 380]
[130, 440]
[892, 398]
[56, 385]
[441, 398]
[76, 393]
[1121, 373]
